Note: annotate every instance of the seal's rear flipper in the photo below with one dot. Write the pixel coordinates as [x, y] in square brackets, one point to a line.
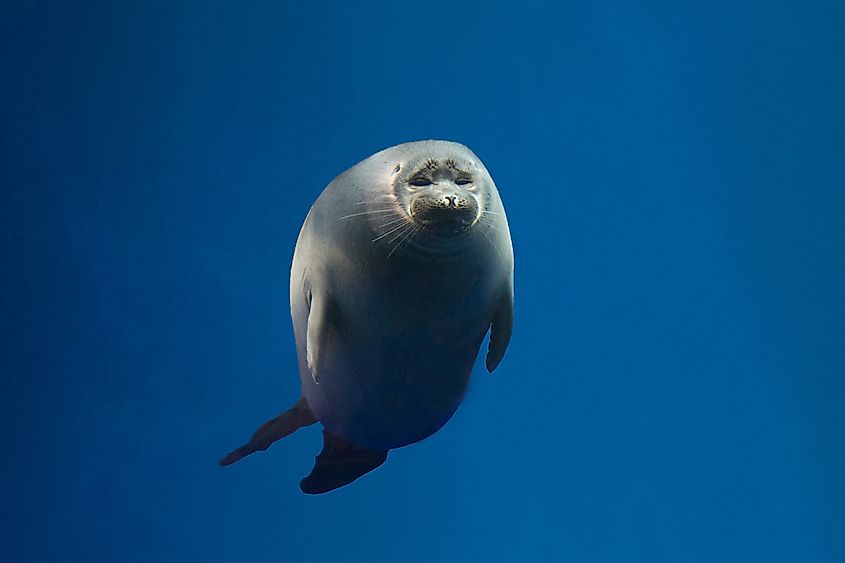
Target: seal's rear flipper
[287, 423]
[338, 464]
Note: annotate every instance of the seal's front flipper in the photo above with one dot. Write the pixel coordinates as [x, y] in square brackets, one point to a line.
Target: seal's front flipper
[287, 423]
[501, 330]
[338, 464]
[320, 317]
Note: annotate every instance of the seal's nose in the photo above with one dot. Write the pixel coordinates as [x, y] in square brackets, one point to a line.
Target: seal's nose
[451, 199]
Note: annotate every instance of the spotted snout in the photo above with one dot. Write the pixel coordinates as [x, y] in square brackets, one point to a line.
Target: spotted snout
[444, 212]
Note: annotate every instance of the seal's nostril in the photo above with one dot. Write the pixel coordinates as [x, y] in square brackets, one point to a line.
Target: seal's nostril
[451, 200]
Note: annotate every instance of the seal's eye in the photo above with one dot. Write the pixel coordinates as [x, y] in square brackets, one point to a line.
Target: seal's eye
[463, 181]
[421, 181]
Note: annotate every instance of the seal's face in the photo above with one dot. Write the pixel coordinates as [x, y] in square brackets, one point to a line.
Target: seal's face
[440, 196]
[429, 199]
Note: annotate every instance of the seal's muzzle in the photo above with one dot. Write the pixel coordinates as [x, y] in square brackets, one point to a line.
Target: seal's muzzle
[445, 212]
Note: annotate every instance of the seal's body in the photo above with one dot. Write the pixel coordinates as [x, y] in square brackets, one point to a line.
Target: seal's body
[405, 317]
[401, 266]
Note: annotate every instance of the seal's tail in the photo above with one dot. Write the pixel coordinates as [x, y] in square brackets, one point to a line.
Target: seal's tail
[287, 423]
[338, 464]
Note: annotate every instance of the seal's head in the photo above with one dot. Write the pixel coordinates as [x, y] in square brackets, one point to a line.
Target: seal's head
[441, 188]
[426, 196]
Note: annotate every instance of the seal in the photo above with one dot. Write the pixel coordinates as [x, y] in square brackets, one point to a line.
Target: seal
[403, 264]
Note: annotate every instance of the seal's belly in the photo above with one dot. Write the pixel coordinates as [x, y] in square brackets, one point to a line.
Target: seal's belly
[395, 375]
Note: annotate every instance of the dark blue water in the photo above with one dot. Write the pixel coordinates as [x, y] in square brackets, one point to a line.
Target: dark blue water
[674, 175]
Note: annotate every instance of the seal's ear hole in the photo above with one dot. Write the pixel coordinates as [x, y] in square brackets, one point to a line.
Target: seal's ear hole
[396, 170]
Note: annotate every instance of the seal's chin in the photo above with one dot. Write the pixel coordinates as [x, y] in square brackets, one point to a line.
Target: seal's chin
[444, 222]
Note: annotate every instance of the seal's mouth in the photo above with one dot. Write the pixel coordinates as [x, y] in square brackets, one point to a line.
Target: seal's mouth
[444, 225]
[444, 214]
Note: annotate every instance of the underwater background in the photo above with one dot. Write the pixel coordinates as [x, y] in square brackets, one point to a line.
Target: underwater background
[674, 176]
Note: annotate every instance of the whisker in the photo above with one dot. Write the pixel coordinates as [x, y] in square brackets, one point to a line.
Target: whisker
[400, 234]
[398, 244]
[490, 225]
[372, 212]
[375, 200]
[393, 230]
[391, 222]
[498, 251]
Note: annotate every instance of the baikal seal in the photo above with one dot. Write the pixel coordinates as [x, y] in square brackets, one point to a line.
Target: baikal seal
[402, 266]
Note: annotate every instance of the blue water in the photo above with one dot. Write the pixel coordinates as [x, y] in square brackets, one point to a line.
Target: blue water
[674, 175]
